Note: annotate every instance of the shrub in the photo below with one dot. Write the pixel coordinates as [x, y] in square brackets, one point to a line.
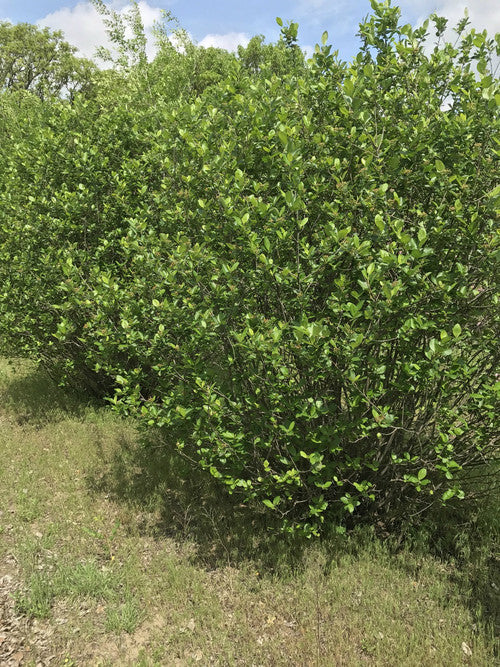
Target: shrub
[296, 276]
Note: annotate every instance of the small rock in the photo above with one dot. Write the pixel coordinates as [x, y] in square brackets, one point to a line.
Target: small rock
[466, 649]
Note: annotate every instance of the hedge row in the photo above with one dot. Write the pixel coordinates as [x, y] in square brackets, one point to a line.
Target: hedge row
[294, 275]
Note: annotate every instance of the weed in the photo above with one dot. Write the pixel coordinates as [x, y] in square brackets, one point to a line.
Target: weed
[124, 617]
[36, 600]
[104, 535]
[86, 580]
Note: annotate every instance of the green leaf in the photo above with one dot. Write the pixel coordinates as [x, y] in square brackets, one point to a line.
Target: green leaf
[357, 341]
[279, 21]
[421, 474]
[439, 166]
[324, 37]
[457, 330]
[379, 221]
[493, 194]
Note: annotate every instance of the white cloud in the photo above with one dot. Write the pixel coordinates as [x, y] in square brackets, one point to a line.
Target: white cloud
[229, 41]
[482, 13]
[83, 27]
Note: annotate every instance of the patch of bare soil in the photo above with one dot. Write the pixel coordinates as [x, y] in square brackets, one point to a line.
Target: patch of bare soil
[22, 640]
[13, 627]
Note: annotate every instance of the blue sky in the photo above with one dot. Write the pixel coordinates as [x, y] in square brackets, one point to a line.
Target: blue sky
[227, 23]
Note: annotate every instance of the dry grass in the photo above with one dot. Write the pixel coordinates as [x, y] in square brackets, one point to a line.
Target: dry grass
[115, 553]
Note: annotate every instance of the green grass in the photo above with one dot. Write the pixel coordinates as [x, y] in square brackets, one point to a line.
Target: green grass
[124, 617]
[125, 556]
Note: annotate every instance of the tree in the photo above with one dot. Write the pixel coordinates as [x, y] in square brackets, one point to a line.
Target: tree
[40, 61]
[280, 58]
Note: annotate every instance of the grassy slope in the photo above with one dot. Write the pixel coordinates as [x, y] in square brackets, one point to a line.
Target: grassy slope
[121, 555]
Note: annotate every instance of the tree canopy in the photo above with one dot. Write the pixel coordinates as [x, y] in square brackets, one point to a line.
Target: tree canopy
[41, 61]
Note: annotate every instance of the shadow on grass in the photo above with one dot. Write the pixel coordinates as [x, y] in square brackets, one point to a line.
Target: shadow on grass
[34, 399]
[468, 539]
[175, 499]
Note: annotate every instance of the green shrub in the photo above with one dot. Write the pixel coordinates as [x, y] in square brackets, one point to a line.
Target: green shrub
[296, 276]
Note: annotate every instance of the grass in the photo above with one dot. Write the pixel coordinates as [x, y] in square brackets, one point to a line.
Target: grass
[122, 555]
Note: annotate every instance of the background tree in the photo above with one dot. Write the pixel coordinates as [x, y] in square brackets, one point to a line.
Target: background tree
[280, 58]
[41, 61]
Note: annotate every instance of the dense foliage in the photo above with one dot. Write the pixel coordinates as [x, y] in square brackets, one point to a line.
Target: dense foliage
[292, 269]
